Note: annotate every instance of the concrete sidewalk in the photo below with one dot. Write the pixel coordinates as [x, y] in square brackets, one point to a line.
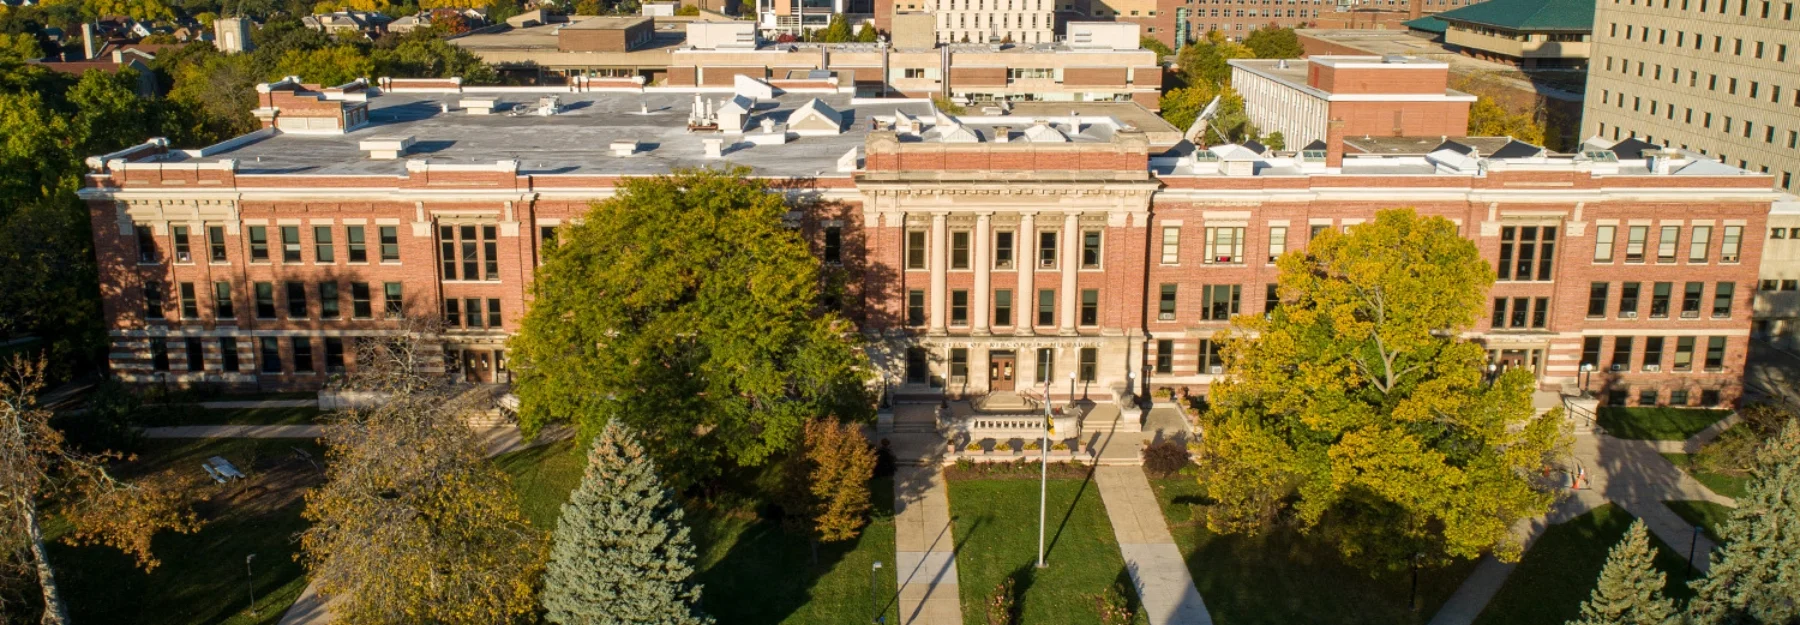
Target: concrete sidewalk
[236, 431]
[1490, 574]
[925, 547]
[1157, 569]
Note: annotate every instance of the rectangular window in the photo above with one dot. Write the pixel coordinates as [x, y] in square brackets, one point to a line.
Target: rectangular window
[1728, 247]
[1090, 363]
[1603, 243]
[916, 249]
[1521, 308]
[1090, 307]
[1597, 293]
[190, 306]
[303, 355]
[290, 244]
[1540, 312]
[834, 243]
[1090, 249]
[1665, 246]
[1047, 249]
[1499, 319]
[916, 370]
[959, 307]
[222, 307]
[1219, 301]
[1211, 361]
[328, 300]
[493, 310]
[322, 250]
[265, 300]
[359, 249]
[360, 307]
[1628, 300]
[1271, 299]
[547, 236]
[296, 300]
[1659, 299]
[153, 300]
[334, 355]
[196, 355]
[1697, 245]
[159, 354]
[1165, 304]
[1277, 242]
[1684, 353]
[472, 312]
[959, 249]
[1171, 245]
[271, 354]
[1003, 250]
[215, 243]
[1046, 314]
[183, 254]
[915, 307]
[1653, 349]
[1003, 307]
[1224, 246]
[1165, 356]
[1690, 299]
[1634, 243]
[392, 301]
[1590, 352]
[146, 240]
[452, 312]
[1621, 356]
[1715, 353]
[1046, 364]
[959, 365]
[390, 244]
[1722, 294]
[228, 354]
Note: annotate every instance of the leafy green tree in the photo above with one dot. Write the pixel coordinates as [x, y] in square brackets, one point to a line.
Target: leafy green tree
[330, 66]
[867, 34]
[683, 306]
[1274, 140]
[20, 47]
[621, 553]
[829, 479]
[1755, 577]
[1204, 61]
[109, 114]
[837, 31]
[424, 54]
[1357, 404]
[1271, 42]
[1488, 119]
[1630, 590]
[1156, 45]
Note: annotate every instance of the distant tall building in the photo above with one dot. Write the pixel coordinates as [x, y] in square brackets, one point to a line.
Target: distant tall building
[1721, 77]
[232, 34]
[1019, 21]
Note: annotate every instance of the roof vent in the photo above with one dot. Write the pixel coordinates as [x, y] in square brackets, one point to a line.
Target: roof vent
[1393, 58]
[386, 148]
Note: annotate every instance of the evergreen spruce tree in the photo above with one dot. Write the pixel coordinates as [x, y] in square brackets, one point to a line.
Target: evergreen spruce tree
[1755, 578]
[621, 553]
[1630, 591]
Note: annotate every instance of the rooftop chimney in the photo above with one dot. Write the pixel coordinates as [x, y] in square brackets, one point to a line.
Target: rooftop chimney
[88, 49]
[1334, 143]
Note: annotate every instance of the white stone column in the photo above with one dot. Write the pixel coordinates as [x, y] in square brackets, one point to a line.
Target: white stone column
[938, 249]
[983, 266]
[1070, 257]
[1025, 260]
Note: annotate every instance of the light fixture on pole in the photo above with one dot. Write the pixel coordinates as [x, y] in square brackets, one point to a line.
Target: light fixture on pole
[250, 582]
[1071, 387]
[1044, 471]
[875, 594]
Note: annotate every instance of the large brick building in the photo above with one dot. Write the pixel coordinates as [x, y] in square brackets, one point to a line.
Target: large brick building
[990, 251]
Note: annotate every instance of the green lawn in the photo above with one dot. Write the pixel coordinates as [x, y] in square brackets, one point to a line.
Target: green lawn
[752, 571]
[202, 579]
[1658, 422]
[192, 414]
[1705, 514]
[996, 525]
[1732, 486]
[1559, 572]
[1282, 576]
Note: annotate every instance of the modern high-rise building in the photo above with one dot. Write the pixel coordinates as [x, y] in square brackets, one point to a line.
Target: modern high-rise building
[1721, 77]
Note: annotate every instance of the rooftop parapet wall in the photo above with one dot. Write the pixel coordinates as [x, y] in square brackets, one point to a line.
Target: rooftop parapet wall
[1125, 157]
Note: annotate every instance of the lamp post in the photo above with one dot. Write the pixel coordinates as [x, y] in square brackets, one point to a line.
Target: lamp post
[1071, 387]
[1044, 469]
[875, 594]
[1587, 373]
[250, 582]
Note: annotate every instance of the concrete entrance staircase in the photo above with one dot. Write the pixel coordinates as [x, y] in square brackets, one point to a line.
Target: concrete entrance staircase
[1006, 402]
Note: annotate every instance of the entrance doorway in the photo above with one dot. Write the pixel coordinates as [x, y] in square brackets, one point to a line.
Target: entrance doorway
[1001, 369]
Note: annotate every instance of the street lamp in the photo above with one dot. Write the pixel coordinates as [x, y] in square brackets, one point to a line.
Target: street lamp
[250, 582]
[1071, 387]
[875, 594]
[1587, 373]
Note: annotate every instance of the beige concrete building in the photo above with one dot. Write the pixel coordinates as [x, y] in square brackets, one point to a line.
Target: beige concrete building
[1529, 34]
[1721, 77]
[1777, 306]
[977, 21]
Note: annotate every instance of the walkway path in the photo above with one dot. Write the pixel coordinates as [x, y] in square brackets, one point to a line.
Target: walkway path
[925, 546]
[260, 403]
[236, 431]
[1629, 473]
[1157, 569]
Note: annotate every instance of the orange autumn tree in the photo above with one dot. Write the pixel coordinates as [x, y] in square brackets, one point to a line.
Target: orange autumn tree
[37, 465]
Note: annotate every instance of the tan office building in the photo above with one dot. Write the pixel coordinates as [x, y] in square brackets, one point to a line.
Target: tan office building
[1721, 77]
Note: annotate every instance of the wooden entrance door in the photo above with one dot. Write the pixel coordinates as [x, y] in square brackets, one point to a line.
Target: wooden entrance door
[478, 366]
[1001, 370]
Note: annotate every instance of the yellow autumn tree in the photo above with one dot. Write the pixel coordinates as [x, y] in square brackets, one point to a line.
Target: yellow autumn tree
[1357, 404]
